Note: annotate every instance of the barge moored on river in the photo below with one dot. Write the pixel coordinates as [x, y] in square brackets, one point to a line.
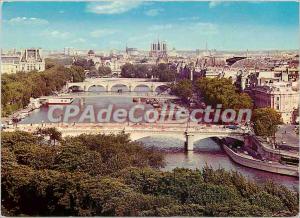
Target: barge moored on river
[58, 100]
[269, 166]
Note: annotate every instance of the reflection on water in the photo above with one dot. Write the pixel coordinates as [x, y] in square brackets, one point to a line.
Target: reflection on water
[208, 152]
[41, 115]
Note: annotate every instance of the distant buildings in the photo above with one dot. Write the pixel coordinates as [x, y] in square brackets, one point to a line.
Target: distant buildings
[131, 51]
[112, 61]
[69, 51]
[26, 61]
[158, 49]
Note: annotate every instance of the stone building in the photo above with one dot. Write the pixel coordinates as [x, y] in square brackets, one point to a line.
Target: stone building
[26, 61]
[158, 49]
[281, 96]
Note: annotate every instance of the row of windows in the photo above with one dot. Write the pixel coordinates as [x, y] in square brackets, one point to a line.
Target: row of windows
[31, 67]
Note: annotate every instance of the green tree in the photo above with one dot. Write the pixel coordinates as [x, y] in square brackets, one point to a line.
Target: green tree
[221, 91]
[266, 121]
[104, 71]
[18, 88]
[164, 72]
[108, 175]
[128, 70]
[183, 89]
[53, 134]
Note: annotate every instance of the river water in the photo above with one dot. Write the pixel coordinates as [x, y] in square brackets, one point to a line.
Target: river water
[206, 152]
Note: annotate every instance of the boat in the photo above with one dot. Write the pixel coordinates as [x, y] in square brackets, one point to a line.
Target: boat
[60, 100]
[156, 105]
[269, 166]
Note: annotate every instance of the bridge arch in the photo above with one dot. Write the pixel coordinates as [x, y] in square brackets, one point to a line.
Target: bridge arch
[96, 88]
[190, 139]
[137, 135]
[141, 88]
[161, 88]
[76, 88]
[201, 136]
[119, 86]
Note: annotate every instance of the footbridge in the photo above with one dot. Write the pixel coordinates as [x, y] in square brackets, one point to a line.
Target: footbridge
[139, 131]
[114, 84]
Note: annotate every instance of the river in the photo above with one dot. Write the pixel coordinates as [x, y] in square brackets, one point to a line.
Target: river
[206, 152]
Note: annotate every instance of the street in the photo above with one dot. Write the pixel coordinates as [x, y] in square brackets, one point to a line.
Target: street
[286, 134]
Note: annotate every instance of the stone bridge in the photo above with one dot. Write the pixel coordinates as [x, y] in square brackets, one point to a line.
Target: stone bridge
[113, 84]
[139, 131]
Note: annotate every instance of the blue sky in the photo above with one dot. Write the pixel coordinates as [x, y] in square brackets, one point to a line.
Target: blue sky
[184, 25]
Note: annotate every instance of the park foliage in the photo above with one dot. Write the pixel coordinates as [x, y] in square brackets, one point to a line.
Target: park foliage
[109, 175]
[17, 89]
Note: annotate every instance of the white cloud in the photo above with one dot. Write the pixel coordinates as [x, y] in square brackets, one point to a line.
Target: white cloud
[204, 28]
[200, 28]
[160, 27]
[188, 18]
[79, 40]
[115, 43]
[56, 34]
[102, 32]
[154, 12]
[28, 20]
[214, 3]
[112, 7]
[141, 38]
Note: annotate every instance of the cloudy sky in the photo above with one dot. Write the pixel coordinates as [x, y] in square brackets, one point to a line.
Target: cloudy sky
[184, 25]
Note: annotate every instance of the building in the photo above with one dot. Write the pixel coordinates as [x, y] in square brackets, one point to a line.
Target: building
[132, 51]
[158, 49]
[281, 96]
[26, 61]
[69, 51]
[31, 60]
[10, 64]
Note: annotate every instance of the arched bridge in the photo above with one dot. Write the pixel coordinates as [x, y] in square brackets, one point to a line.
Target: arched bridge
[138, 131]
[114, 84]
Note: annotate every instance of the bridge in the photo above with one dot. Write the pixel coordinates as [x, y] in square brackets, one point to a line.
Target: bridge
[138, 131]
[115, 84]
[111, 94]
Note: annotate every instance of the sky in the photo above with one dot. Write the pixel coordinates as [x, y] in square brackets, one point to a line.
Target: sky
[183, 25]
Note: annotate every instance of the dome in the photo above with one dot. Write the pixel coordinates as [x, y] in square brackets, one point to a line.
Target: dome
[91, 52]
[251, 63]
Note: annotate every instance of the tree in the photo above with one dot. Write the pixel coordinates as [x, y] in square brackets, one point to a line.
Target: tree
[164, 72]
[266, 121]
[84, 63]
[135, 71]
[104, 71]
[221, 91]
[183, 89]
[109, 175]
[18, 88]
[127, 70]
[53, 134]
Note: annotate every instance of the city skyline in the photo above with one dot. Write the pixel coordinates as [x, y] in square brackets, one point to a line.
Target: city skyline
[113, 25]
